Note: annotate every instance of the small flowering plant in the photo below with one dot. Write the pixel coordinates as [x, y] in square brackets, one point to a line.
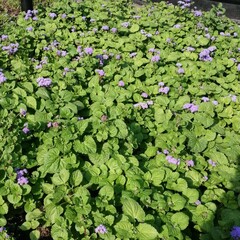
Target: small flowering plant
[119, 122]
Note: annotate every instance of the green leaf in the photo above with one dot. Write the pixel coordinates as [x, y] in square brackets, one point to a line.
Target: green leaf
[90, 144]
[151, 151]
[43, 93]
[195, 144]
[192, 194]
[31, 102]
[178, 202]
[134, 28]
[76, 178]
[35, 214]
[124, 229]
[107, 191]
[61, 177]
[146, 232]
[132, 209]
[180, 219]
[34, 235]
[26, 226]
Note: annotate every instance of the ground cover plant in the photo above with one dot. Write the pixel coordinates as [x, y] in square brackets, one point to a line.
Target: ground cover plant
[119, 126]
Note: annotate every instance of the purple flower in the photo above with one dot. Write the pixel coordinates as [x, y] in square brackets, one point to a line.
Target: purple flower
[4, 37]
[101, 73]
[133, 54]
[238, 67]
[150, 102]
[172, 160]
[155, 58]
[104, 118]
[190, 49]
[22, 181]
[88, 50]
[205, 99]
[64, 15]
[44, 82]
[26, 130]
[92, 20]
[205, 178]
[84, 18]
[29, 29]
[198, 202]
[23, 112]
[194, 108]
[148, 35]
[144, 95]
[234, 98]
[204, 55]
[187, 105]
[215, 102]
[121, 83]
[161, 84]
[180, 70]
[101, 229]
[52, 15]
[49, 124]
[114, 30]
[168, 40]
[177, 26]
[2, 229]
[105, 28]
[235, 233]
[165, 151]
[197, 13]
[11, 48]
[2, 77]
[34, 18]
[212, 48]
[61, 53]
[152, 50]
[164, 90]
[178, 64]
[125, 24]
[190, 163]
[235, 34]
[211, 162]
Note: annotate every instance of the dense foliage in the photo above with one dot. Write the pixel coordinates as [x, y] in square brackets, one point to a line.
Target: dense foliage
[120, 122]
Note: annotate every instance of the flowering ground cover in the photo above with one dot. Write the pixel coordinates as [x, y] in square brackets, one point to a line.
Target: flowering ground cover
[119, 126]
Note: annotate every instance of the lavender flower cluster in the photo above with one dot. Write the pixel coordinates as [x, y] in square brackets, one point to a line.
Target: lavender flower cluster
[101, 229]
[172, 160]
[31, 14]
[184, 3]
[162, 88]
[44, 82]
[143, 105]
[21, 179]
[4, 37]
[2, 77]
[100, 72]
[190, 106]
[204, 55]
[42, 62]
[11, 48]
[235, 233]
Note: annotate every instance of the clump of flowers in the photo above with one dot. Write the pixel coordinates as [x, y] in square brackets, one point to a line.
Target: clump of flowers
[121, 83]
[100, 72]
[26, 130]
[11, 48]
[44, 82]
[31, 14]
[2, 77]
[235, 233]
[21, 179]
[192, 107]
[172, 160]
[204, 55]
[101, 229]
[88, 50]
[53, 124]
[143, 105]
